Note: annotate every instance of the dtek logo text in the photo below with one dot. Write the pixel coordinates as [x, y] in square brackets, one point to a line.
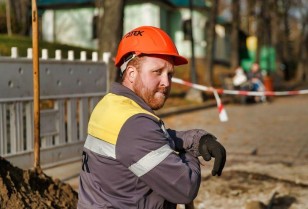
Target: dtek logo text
[134, 33]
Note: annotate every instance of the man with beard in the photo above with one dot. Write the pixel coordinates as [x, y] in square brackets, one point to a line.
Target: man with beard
[130, 160]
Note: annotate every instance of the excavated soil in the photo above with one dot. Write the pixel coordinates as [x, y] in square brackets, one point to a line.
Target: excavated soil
[33, 189]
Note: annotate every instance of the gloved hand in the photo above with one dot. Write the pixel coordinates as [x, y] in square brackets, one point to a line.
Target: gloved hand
[208, 148]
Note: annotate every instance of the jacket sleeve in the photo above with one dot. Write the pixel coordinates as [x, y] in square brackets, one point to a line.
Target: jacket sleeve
[144, 149]
[187, 141]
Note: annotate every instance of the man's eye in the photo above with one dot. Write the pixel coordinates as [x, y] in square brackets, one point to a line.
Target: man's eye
[158, 72]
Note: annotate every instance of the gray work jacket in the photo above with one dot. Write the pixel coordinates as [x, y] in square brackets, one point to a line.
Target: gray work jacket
[130, 160]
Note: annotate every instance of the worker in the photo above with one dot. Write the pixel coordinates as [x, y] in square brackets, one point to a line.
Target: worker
[130, 159]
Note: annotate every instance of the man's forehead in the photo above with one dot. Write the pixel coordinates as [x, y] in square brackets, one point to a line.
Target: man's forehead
[149, 63]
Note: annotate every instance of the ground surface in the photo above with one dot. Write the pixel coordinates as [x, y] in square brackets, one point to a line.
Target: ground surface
[267, 163]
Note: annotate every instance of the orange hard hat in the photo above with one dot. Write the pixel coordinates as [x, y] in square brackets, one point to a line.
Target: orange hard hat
[147, 40]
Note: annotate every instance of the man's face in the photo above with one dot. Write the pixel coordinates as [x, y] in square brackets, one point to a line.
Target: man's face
[153, 82]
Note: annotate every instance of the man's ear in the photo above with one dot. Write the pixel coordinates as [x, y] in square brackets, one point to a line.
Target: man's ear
[131, 73]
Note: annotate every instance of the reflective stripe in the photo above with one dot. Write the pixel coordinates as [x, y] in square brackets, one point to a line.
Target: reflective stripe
[150, 160]
[162, 126]
[144, 165]
[100, 147]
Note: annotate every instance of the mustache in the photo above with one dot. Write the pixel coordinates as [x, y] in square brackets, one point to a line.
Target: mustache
[163, 90]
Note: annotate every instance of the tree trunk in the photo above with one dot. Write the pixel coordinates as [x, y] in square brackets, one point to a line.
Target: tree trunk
[302, 69]
[235, 61]
[211, 42]
[251, 4]
[302, 47]
[8, 17]
[260, 29]
[286, 51]
[286, 30]
[193, 70]
[275, 30]
[110, 31]
[305, 56]
[25, 20]
[21, 17]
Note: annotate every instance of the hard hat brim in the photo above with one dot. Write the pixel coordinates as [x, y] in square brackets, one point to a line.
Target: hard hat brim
[180, 60]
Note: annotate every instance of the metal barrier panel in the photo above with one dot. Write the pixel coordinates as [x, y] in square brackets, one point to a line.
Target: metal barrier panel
[65, 79]
[69, 88]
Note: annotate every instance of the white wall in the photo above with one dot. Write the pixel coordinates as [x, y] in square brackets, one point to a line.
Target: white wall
[72, 26]
[141, 14]
[184, 46]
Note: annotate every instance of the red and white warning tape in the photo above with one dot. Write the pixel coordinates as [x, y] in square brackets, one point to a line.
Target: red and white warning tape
[236, 92]
[222, 112]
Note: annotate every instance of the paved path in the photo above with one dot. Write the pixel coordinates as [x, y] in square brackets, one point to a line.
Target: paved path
[270, 138]
[278, 130]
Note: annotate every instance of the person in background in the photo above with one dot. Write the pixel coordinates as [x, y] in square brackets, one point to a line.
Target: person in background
[255, 77]
[239, 78]
[130, 159]
[241, 83]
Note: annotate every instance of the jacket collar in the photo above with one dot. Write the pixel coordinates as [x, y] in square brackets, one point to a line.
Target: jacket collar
[119, 89]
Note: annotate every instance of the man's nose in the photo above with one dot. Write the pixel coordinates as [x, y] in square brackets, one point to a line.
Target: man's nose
[165, 80]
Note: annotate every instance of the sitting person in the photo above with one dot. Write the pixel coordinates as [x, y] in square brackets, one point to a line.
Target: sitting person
[240, 82]
[239, 77]
[255, 77]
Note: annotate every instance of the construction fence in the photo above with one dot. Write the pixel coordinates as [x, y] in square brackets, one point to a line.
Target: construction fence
[69, 90]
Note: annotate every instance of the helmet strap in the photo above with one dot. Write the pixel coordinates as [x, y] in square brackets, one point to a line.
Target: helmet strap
[126, 61]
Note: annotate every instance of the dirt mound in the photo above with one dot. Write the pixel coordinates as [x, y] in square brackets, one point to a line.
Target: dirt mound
[33, 189]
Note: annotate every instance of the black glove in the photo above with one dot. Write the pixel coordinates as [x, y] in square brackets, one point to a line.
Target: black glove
[208, 148]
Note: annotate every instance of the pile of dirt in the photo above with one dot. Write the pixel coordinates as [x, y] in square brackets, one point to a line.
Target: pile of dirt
[33, 189]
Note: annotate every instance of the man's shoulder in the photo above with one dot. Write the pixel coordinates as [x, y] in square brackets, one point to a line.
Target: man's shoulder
[121, 106]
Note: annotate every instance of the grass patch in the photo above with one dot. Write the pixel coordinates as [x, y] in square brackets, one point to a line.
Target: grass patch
[23, 43]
